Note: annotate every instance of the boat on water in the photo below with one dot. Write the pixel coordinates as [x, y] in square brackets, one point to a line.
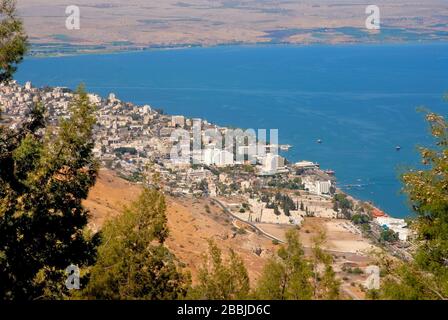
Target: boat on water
[398, 148]
[319, 141]
[285, 147]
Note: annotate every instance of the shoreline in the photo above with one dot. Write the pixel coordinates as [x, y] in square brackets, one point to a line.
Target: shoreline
[173, 108]
[285, 155]
[82, 49]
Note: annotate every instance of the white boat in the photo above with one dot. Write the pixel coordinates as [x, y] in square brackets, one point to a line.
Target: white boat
[285, 147]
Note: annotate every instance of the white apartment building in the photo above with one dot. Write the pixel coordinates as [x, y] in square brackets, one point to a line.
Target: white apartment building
[316, 185]
[397, 225]
[272, 163]
[214, 156]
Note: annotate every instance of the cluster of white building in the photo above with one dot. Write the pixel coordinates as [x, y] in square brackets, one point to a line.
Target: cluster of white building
[399, 226]
[317, 185]
[128, 136]
[217, 157]
[16, 101]
[273, 164]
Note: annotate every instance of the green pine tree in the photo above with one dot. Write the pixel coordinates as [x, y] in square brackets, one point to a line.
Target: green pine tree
[43, 179]
[220, 279]
[292, 276]
[13, 39]
[426, 277]
[326, 285]
[133, 262]
[287, 277]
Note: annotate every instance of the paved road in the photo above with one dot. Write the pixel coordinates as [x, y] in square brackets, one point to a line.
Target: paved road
[261, 231]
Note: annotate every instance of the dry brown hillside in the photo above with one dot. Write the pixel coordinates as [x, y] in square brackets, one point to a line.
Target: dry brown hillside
[194, 221]
[141, 23]
[191, 222]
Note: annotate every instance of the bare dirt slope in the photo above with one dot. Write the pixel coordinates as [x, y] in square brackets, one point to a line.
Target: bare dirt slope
[108, 197]
[192, 222]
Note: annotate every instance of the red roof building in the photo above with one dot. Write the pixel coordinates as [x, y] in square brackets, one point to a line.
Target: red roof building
[378, 213]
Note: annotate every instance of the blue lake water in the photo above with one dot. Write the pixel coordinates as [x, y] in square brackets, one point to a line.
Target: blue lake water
[360, 100]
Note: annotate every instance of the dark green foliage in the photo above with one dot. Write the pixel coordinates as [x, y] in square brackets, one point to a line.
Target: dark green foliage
[203, 185]
[342, 205]
[365, 227]
[43, 180]
[350, 270]
[427, 276]
[295, 184]
[265, 198]
[428, 192]
[286, 203]
[133, 262]
[388, 235]
[290, 276]
[13, 41]
[343, 202]
[361, 219]
[248, 168]
[281, 201]
[326, 286]
[287, 277]
[409, 282]
[221, 280]
[276, 211]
